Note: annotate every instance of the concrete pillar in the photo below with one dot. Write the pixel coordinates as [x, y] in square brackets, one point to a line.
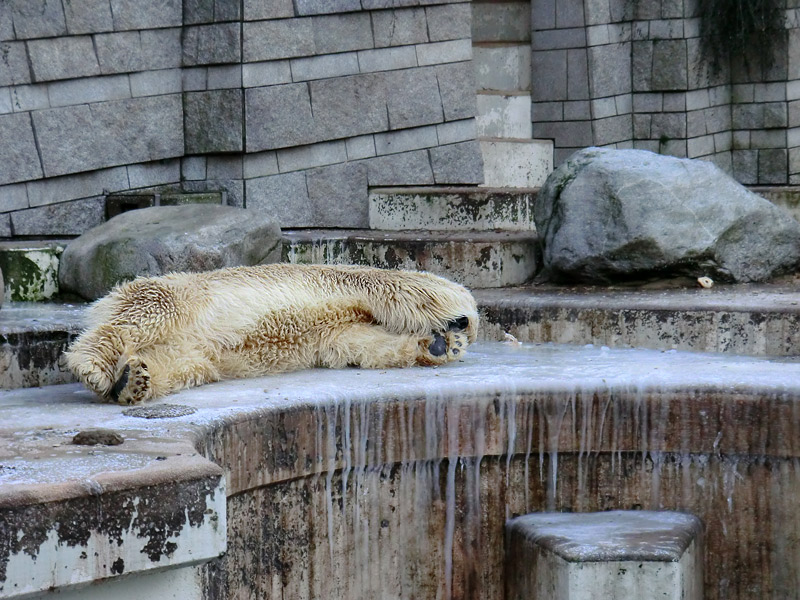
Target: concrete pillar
[604, 556]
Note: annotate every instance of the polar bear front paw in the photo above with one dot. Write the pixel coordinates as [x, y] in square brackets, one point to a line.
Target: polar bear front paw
[443, 347]
[133, 385]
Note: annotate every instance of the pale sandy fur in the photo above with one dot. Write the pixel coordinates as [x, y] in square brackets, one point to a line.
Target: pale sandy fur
[187, 329]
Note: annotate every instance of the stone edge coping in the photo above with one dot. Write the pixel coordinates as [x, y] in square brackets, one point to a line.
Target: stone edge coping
[35, 441]
[406, 236]
[618, 535]
[450, 191]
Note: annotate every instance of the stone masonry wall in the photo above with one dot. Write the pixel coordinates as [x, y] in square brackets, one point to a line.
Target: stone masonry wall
[630, 73]
[293, 108]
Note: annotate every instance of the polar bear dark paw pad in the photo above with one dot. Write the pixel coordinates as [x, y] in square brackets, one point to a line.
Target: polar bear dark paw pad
[133, 386]
[439, 345]
[120, 384]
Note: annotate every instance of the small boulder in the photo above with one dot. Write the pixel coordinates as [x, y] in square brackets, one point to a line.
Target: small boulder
[620, 215]
[163, 239]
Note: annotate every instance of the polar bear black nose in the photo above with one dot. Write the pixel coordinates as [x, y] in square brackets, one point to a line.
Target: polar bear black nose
[459, 324]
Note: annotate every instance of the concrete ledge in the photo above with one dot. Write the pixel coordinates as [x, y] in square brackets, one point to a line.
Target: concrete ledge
[479, 259]
[408, 462]
[597, 556]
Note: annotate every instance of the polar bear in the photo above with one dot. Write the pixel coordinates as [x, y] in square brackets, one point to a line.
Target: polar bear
[156, 335]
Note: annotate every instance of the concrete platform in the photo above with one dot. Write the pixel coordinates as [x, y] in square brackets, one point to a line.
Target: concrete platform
[314, 460]
[612, 555]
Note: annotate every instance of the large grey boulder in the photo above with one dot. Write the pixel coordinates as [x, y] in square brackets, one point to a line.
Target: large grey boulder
[163, 239]
[2, 288]
[611, 215]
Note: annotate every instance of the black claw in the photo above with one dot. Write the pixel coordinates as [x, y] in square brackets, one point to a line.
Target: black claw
[120, 384]
[459, 324]
[439, 345]
[455, 351]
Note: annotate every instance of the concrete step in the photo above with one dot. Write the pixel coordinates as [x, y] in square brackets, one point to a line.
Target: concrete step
[452, 209]
[30, 269]
[747, 319]
[518, 163]
[474, 259]
[504, 115]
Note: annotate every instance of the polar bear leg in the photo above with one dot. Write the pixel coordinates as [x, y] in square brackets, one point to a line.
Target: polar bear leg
[160, 370]
[96, 357]
[373, 347]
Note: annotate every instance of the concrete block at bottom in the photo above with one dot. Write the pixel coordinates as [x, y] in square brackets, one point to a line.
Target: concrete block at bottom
[604, 556]
[516, 163]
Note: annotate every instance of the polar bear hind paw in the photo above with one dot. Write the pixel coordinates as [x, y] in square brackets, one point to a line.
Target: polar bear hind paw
[444, 347]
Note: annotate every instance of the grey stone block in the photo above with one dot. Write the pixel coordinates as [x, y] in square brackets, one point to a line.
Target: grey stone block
[18, 161]
[338, 195]
[278, 116]
[266, 73]
[556, 39]
[6, 22]
[696, 123]
[321, 7]
[362, 146]
[14, 68]
[326, 65]
[5, 101]
[74, 187]
[406, 140]
[644, 103]
[700, 146]
[67, 218]
[413, 98]
[193, 168]
[669, 69]
[350, 106]
[285, 38]
[13, 197]
[119, 52]
[145, 14]
[81, 138]
[259, 165]
[597, 12]
[156, 83]
[551, 111]
[62, 58]
[666, 29]
[674, 102]
[86, 90]
[772, 167]
[400, 27]
[745, 166]
[225, 167]
[450, 22]
[194, 79]
[255, 10]
[212, 44]
[386, 59]
[641, 126]
[621, 10]
[37, 18]
[341, 33]
[549, 80]
[613, 130]
[314, 155]
[577, 74]
[579, 110]
[408, 168]
[88, 16]
[456, 131]
[29, 97]
[718, 118]
[224, 77]
[610, 68]
[457, 163]
[444, 52]
[568, 134]
[669, 125]
[747, 116]
[569, 13]
[697, 99]
[501, 22]
[647, 9]
[196, 12]
[543, 14]
[162, 172]
[161, 48]
[768, 138]
[456, 82]
[5, 231]
[283, 197]
[641, 66]
[723, 142]
[213, 121]
[769, 92]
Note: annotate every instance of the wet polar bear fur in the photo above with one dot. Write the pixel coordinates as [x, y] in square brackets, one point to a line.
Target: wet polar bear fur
[156, 335]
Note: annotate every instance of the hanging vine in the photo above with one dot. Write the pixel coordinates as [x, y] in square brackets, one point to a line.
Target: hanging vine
[752, 29]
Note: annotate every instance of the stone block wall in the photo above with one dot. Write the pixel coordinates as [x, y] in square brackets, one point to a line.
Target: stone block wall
[294, 108]
[628, 74]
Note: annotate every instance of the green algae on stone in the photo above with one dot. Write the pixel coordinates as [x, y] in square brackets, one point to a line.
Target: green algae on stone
[30, 274]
